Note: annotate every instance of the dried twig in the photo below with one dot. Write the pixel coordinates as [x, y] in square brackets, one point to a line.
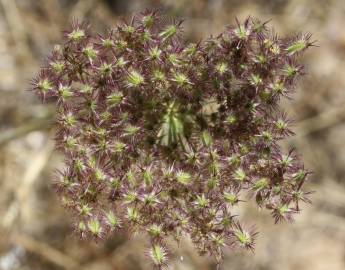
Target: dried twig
[17, 132]
[82, 8]
[30, 176]
[17, 29]
[321, 121]
[45, 251]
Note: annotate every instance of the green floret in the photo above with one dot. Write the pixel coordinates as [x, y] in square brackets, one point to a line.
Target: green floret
[243, 237]
[239, 175]
[148, 21]
[105, 69]
[183, 177]
[44, 85]
[158, 255]
[90, 52]
[168, 32]
[114, 99]
[130, 130]
[221, 68]
[134, 79]
[94, 227]
[112, 220]
[297, 46]
[76, 35]
[180, 79]
[230, 198]
[57, 66]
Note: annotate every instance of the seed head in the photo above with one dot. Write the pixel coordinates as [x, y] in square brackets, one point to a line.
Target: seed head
[165, 138]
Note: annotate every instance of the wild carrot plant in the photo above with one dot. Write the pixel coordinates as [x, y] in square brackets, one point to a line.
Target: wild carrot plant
[167, 138]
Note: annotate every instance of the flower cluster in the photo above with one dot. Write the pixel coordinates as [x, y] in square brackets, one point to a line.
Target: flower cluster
[167, 138]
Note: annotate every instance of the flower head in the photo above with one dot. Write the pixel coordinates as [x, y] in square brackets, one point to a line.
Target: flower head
[164, 137]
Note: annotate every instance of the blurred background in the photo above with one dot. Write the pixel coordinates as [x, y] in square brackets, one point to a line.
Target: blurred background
[35, 231]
